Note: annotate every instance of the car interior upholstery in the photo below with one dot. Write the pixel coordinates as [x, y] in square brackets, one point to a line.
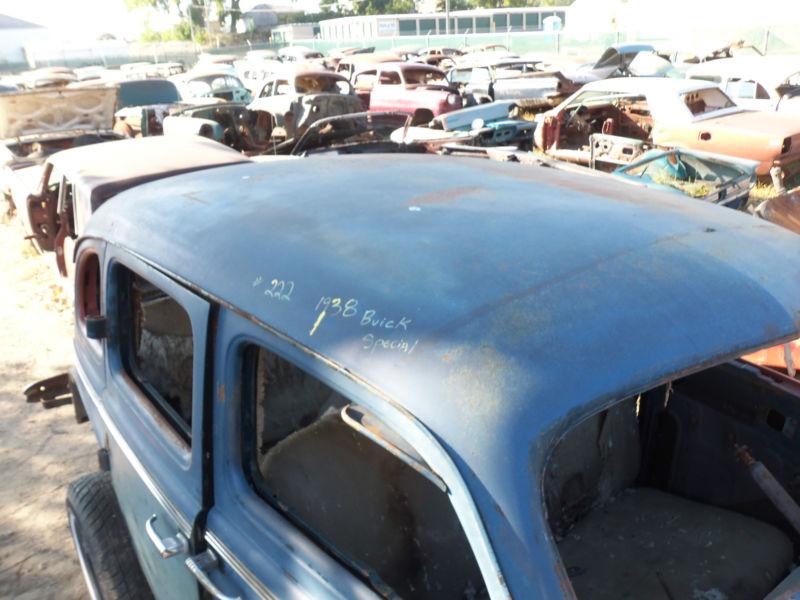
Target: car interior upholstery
[373, 511]
[648, 498]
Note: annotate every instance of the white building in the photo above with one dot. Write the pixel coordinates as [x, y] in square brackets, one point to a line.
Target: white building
[291, 32]
[15, 34]
[495, 20]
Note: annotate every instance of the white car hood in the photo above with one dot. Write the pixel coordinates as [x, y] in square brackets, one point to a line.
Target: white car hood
[37, 112]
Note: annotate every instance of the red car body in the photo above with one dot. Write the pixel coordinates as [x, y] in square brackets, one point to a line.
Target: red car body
[406, 87]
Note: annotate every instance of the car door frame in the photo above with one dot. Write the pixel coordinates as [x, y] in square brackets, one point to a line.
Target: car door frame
[151, 465]
[262, 554]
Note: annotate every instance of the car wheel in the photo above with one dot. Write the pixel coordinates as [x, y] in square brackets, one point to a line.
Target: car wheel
[105, 551]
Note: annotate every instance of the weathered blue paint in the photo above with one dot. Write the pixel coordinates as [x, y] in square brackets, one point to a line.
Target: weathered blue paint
[496, 303]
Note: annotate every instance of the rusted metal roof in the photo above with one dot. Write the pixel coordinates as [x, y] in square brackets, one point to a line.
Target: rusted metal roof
[102, 170]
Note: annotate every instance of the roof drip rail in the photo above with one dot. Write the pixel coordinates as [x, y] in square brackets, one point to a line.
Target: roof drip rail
[370, 427]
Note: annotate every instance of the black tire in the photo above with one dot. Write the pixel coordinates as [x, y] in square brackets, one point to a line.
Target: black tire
[102, 541]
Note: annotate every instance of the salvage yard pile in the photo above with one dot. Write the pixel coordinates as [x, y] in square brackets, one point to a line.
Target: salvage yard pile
[543, 340]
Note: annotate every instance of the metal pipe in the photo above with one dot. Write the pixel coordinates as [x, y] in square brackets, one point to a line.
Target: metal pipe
[776, 174]
[771, 487]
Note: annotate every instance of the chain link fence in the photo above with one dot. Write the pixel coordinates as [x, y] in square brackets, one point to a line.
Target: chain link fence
[771, 40]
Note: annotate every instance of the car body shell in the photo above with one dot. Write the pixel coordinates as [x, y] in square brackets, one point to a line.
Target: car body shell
[36, 123]
[512, 79]
[391, 90]
[754, 82]
[723, 180]
[93, 174]
[294, 109]
[205, 82]
[348, 65]
[763, 137]
[480, 269]
[229, 123]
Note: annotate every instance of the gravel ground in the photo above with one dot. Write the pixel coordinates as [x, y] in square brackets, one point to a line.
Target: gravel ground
[41, 451]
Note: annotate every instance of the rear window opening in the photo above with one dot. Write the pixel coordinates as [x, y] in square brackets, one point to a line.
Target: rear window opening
[707, 100]
[157, 349]
[656, 497]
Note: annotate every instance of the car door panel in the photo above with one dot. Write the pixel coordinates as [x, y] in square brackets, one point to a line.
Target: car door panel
[155, 472]
[260, 553]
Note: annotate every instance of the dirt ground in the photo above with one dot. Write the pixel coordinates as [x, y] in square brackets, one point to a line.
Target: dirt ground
[41, 451]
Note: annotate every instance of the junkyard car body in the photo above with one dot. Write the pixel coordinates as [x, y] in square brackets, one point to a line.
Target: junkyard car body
[783, 210]
[75, 183]
[492, 124]
[300, 54]
[756, 82]
[626, 60]
[668, 113]
[47, 77]
[297, 99]
[357, 133]
[388, 345]
[205, 83]
[348, 65]
[483, 49]
[143, 104]
[254, 73]
[439, 56]
[36, 123]
[511, 79]
[407, 87]
[711, 178]
[229, 123]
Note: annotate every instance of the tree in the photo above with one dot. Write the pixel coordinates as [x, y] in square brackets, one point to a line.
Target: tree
[383, 7]
[192, 13]
[229, 10]
[454, 5]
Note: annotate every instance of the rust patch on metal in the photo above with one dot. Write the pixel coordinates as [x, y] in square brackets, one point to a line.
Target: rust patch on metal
[221, 392]
[445, 196]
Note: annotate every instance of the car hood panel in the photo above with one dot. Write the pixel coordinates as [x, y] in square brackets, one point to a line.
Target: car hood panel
[36, 112]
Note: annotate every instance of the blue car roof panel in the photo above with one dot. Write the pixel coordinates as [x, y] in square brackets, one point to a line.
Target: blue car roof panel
[495, 302]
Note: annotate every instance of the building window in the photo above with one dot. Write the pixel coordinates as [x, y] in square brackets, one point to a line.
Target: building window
[370, 510]
[427, 26]
[408, 26]
[515, 20]
[500, 22]
[483, 25]
[532, 22]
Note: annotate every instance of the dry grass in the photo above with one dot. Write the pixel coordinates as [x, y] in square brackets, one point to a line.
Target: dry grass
[763, 191]
[695, 189]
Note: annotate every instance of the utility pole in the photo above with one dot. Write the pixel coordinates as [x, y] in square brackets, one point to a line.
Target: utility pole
[191, 25]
